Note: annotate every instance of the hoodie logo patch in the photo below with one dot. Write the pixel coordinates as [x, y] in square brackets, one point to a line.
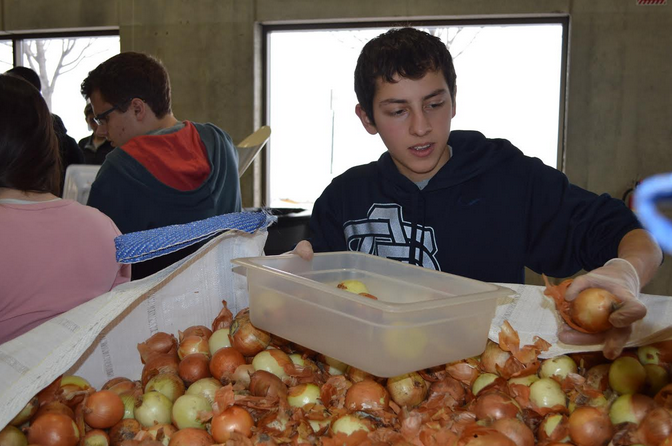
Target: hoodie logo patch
[384, 233]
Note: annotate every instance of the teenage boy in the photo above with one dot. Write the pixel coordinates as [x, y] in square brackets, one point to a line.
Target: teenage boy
[163, 171]
[464, 204]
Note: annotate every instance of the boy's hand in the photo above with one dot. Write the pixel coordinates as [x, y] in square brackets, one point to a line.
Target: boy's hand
[304, 250]
[619, 277]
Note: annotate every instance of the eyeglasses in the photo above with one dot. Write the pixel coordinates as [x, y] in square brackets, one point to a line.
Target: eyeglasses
[103, 117]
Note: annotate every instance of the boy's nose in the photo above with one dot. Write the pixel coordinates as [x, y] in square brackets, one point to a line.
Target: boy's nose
[101, 131]
[420, 125]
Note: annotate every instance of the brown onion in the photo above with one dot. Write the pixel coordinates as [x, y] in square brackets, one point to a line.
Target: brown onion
[103, 409]
[194, 367]
[224, 363]
[193, 344]
[113, 382]
[655, 427]
[492, 357]
[448, 386]
[74, 389]
[191, 436]
[356, 375]
[407, 390]
[126, 429]
[160, 363]
[157, 343]
[589, 426]
[494, 406]
[366, 396]
[245, 337]
[53, 429]
[195, 330]
[233, 419]
[591, 309]
[55, 407]
[263, 383]
[516, 430]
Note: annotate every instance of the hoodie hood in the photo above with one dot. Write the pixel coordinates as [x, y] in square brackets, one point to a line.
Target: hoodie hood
[473, 154]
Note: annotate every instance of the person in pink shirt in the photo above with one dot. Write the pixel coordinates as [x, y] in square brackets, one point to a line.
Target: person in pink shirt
[54, 254]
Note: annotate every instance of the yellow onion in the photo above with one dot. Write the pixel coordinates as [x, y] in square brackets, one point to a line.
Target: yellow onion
[590, 426]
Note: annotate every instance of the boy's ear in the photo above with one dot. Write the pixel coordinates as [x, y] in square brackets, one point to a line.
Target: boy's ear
[366, 122]
[139, 108]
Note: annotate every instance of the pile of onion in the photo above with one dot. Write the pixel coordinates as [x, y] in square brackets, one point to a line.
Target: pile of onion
[238, 385]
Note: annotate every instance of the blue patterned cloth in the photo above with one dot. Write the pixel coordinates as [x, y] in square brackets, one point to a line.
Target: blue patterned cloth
[139, 246]
[654, 191]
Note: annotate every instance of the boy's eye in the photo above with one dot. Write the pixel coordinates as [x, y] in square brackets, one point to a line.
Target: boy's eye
[435, 104]
[397, 112]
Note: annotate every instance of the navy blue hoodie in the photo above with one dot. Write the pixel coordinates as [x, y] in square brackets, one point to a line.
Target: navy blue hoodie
[489, 212]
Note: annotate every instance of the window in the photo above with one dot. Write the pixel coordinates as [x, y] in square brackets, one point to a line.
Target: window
[62, 61]
[509, 85]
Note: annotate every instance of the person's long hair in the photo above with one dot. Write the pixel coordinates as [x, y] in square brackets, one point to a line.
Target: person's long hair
[29, 156]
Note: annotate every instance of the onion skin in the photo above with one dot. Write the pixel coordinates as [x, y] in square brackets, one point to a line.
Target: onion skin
[103, 409]
[53, 430]
[191, 436]
[589, 426]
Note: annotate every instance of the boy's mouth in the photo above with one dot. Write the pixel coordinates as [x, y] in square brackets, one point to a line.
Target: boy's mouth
[421, 147]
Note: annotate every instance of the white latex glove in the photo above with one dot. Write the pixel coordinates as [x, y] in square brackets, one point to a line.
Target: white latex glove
[619, 277]
[304, 250]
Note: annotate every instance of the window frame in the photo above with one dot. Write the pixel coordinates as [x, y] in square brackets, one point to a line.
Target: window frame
[267, 28]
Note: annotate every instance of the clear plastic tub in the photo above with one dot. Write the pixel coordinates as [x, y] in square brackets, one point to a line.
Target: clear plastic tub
[422, 318]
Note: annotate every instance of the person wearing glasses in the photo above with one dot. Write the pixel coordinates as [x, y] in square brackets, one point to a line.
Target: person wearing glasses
[94, 146]
[162, 171]
[56, 253]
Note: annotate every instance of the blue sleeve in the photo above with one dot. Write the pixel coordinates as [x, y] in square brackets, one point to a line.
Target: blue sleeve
[571, 228]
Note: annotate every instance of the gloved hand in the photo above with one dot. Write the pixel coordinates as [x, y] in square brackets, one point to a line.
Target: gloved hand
[304, 250]
[619, 277]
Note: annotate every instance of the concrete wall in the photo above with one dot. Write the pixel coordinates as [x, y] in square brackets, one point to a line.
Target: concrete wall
[619, 80]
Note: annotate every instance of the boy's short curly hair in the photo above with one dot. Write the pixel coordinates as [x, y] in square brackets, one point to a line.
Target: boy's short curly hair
[131, 75]
[407, 52]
